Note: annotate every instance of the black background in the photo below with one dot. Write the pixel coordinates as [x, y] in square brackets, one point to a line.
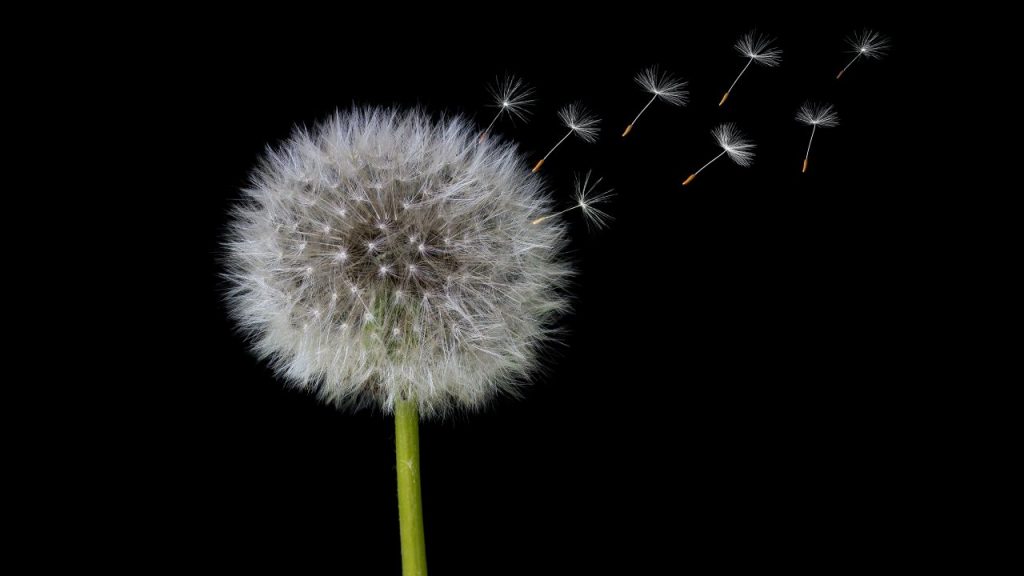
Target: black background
[718, 399]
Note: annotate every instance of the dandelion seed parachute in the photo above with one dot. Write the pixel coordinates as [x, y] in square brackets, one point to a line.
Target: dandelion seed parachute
[815, 115]
[587, 201]
[580, 122]
[733, 143]
[756, 48]
[660, 85]
[866, 43]
[383, 256]
[512, 97]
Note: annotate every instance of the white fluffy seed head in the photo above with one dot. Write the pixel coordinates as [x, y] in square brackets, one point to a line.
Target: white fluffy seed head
[581, 121]
[759, 48]
[734, 143]
[664, 86]
[868, 43]
[383, 255]
[512, 96]
[821, 115]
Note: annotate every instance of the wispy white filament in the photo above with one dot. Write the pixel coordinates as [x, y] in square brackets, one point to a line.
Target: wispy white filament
[661, 85]
[510, 96]
[756, 48]
[815, 115]
[579, 121]
[822, 115]
[587, 200]
[733, 143]
[866, 43]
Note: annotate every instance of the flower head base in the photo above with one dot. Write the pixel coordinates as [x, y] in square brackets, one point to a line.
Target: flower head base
[385, 256]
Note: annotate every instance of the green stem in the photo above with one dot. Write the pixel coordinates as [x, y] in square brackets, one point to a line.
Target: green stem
[410, 503]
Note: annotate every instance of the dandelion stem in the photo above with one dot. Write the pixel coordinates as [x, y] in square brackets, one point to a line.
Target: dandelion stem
[709, 163]
[540, 162]
[749, 62]
[567, 134]
[653, 98]
[543, 218]
[694, 175]
[811, 141]
[491, 125]
[630, 127]
[410, 502]
[840, 75]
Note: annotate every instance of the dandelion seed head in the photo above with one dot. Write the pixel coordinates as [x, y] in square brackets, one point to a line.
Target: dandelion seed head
[581, 121]
[758, 47]
[868, 43]
[664, 86]
[822, 115]
[449, 325]
[734, 143]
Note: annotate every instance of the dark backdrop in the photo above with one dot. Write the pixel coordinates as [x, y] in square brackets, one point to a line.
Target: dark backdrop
[719, 395]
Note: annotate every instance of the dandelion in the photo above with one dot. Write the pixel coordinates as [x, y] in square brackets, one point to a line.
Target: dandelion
[866, 43]
[756, 48]
[659, 85]
[579, 121]
[586, 201]
[512, 97]
[381, 260]
[815, 115]
[733, 143]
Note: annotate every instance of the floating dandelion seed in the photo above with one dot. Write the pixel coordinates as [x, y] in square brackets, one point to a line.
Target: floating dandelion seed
[866, 43]
[578, 120]
[815, 115]
[733, 143]
[512, 97]
[587, 201]
[757, 48]
[660, 85]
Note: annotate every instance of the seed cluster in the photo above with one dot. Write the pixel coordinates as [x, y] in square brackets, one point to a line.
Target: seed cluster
[386, 256]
